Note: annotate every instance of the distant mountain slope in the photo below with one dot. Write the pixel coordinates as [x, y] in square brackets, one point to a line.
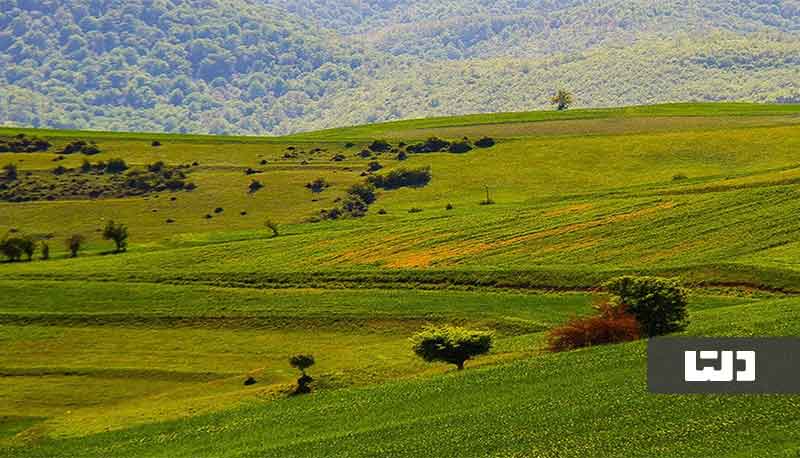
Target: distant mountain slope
[170, 65]
[270, 66]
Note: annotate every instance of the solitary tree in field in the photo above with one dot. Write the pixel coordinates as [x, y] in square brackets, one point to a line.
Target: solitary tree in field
[45, 251]
[302, 362]
[659, 304]
[74, 244]
[273, 226]
[449, 344]
[118, 233]
[563, 99]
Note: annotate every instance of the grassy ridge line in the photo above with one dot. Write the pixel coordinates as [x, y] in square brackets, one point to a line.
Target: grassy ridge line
[710, 275]
[371, 130]
[675, 109]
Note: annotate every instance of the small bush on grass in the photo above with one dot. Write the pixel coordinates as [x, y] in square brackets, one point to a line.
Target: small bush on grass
[116, 166]
[74, 244]
[318, 185]
[255, 185]
[611, 325]
[272, 226]
[380, 146]
[485, 142]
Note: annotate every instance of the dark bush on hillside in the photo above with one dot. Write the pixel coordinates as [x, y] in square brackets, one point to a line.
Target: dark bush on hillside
[380, 146]
[118, 233]
[432, 145]
[374, 166]
[255, 185]
[402, 156]
[349, 145]
[460, 147]
[678, 177]
[354, 206]
[449, 206]
[364, 153]
[74, 244]
[116, 166]
[156, 167]
[272, 226]
[86, 166]
[10, 172]
[14, 247]
[318, 185]
[611, 325]
[659, 304]
[399, 178]
[365, 192]
[23, 144]
[174, 184]
[81, 146]
[302, 362]
[338, 157]
[219, 210]
[45, 251]
[485, 142]
[414, 210]
[449, 344]
[60, 170]
[155, 144]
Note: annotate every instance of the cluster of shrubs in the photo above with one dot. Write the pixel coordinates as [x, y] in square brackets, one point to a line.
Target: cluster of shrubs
[318, 185]
[401, 177]
[639, 307]
[82, 147]
[159, 177]
[17, 246]
[21, 143]
[355, 204]
[103, 179]
[13, 248]
[437, 145]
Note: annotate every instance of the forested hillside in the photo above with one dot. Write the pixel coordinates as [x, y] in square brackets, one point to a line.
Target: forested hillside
[269, 66]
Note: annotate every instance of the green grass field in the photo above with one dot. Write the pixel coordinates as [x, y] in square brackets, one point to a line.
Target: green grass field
[144, 353]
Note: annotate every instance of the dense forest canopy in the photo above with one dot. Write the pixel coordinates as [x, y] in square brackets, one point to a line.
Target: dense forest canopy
[270, 66]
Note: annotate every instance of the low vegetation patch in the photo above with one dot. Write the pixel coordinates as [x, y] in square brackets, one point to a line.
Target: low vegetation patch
[82, 147]
[402, 177]
[23, 144]
[112, 179]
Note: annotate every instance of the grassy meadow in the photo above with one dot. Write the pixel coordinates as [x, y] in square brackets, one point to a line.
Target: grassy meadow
[144, 353]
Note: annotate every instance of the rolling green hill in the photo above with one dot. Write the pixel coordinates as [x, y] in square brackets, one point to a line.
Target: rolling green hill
[144, 353]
